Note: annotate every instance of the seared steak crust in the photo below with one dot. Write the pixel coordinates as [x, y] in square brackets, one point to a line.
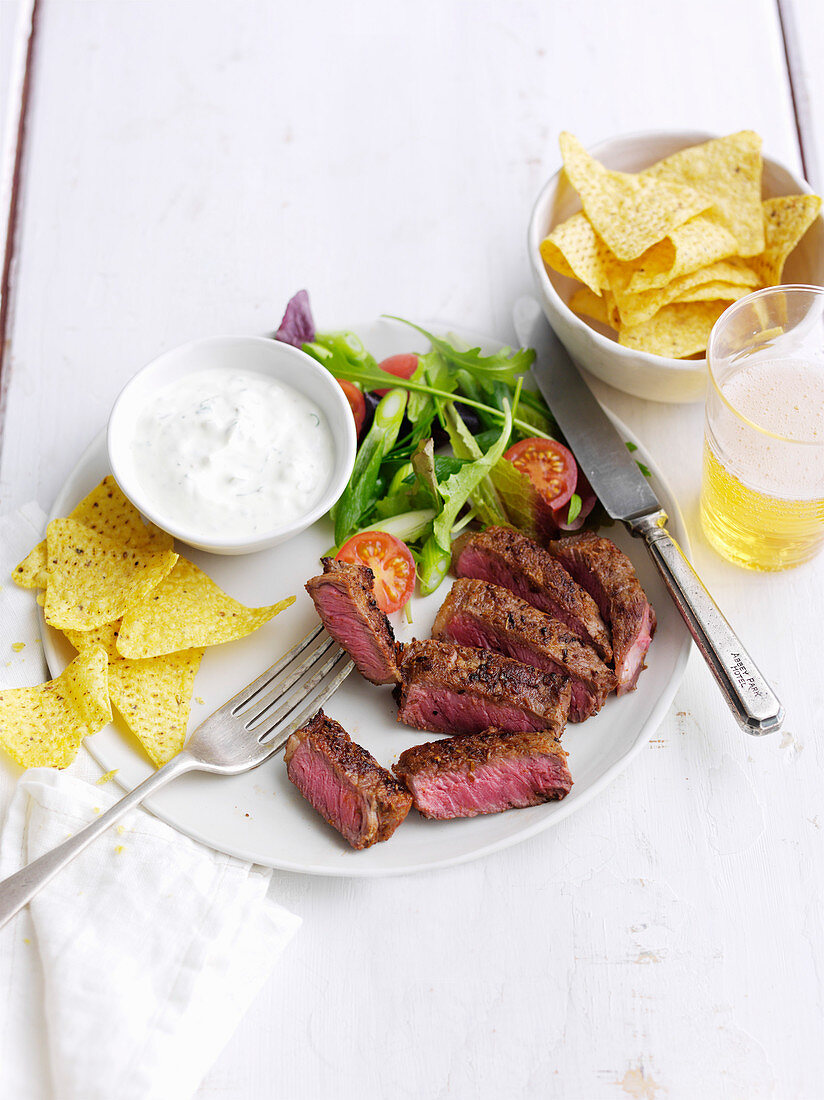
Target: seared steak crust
[454, 689]
[344, 599]
[477, 613]
[511, 559]
[608, 575]
[484, 773]
[344, 782]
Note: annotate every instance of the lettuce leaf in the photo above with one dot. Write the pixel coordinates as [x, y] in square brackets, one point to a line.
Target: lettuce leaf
[459, 486]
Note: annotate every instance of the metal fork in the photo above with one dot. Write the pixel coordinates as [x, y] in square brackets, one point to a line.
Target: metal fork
[239, 736]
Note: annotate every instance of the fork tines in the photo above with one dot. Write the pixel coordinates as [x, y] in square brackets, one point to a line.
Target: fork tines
[308, 673]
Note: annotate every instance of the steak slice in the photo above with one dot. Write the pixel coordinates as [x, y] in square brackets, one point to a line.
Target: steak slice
[510, 559]
[345, 601]
[609, 577]
[453, 689]
[484, 773]
[344, 783]
[484, 615]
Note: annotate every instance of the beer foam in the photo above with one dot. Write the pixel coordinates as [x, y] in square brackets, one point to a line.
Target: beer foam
[786, 398]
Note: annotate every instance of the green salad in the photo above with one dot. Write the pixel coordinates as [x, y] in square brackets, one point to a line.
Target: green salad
[445, 438]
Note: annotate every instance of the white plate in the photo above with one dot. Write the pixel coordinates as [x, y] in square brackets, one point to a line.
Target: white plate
[260, 816]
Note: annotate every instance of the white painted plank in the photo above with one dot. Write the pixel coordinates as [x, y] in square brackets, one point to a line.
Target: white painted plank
[8, 20]
[15, 30]
[212, 160]
[803, 26]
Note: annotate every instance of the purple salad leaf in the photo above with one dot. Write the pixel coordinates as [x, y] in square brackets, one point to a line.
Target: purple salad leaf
[297, 327]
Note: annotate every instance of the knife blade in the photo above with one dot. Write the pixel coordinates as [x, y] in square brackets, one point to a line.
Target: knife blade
[628, 496]
[600, 452]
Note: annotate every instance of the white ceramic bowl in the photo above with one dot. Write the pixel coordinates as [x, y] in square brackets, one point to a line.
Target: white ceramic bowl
[594, 346]
[254, 353]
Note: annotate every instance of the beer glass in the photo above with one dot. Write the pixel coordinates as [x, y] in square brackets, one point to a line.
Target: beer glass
[762, 497]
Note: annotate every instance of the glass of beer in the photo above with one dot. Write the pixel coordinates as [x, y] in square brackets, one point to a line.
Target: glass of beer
[762, 497]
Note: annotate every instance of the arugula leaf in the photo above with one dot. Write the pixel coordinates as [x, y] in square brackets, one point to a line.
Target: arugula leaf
[372, 377]
[505, 364]
[534, 412]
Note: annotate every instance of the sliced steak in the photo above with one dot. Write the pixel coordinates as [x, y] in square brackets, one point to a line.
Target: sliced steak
[477, 613]
[484, 773]
[344, 599]
[510, 559]
[344, 783]
[452, 689]
[609, 577]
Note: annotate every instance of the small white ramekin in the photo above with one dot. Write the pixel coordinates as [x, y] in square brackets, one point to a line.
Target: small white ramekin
[254, 353]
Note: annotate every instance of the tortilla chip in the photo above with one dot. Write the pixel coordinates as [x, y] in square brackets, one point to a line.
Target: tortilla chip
[154, 696]
[629, 212]
[188, 611]
[589, 304]
[714, 292]
[675, 331]
[92, 579]
[106, 636]
[574, 249]
[634, 309]
[44, 725]
[32, 570]
[107, 511]
[727, 172]
[786, 220]
[697, 243]
[613, 316]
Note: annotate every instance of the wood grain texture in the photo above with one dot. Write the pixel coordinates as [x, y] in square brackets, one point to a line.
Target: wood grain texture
[665, 941]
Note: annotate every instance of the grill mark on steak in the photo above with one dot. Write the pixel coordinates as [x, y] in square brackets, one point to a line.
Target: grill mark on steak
[608, 575]
[344, 783]
[453, 689]
[484, 773]
[486, 616]
[506, 557]
[344, 599]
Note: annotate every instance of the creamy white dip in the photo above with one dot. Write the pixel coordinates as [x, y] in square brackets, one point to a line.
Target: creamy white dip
[232, 452]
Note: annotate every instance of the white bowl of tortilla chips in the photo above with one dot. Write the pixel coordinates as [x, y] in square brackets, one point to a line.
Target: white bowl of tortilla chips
[633, 282]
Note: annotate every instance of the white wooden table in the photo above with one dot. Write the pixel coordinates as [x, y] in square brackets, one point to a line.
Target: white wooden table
[185, 168]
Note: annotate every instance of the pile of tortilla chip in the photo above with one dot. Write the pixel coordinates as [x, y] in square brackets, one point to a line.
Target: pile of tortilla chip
[661, 254]
[139, 617]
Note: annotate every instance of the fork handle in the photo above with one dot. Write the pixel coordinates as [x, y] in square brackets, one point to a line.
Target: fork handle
[18, 889]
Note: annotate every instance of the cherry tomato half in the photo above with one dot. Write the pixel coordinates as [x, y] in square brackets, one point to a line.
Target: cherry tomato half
[390, 561]
[402, 366]
[356, 402]
[549, 465]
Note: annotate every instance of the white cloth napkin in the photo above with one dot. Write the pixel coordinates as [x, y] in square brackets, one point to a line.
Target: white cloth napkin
[132, 968]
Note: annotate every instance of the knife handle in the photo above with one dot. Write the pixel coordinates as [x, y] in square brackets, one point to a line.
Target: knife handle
[749, 696]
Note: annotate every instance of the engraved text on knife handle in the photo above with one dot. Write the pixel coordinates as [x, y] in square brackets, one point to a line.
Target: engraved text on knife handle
[748, 694]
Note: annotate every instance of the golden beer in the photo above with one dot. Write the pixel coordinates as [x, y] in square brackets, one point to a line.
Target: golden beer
[754, 529]
[762, 499]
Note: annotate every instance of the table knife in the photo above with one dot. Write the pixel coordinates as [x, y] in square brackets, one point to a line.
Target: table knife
[627, 495]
